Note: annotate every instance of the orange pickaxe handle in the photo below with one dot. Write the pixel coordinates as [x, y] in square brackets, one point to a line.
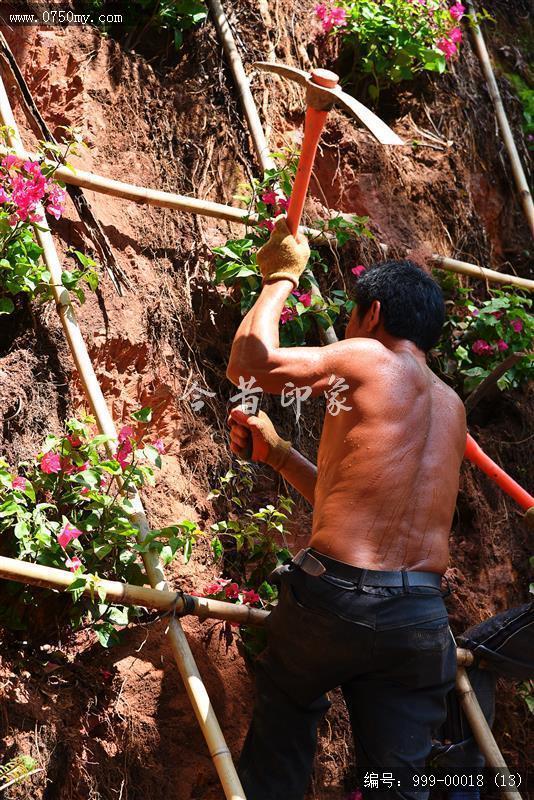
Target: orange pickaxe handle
[313, 127]
[477, 456]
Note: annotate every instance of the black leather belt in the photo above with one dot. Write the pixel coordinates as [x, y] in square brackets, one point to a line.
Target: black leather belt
[314, 563]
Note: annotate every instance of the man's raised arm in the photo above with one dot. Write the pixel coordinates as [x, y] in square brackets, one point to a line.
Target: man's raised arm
[256, 351]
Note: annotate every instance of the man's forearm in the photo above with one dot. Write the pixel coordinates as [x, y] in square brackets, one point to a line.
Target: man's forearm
[301, 474]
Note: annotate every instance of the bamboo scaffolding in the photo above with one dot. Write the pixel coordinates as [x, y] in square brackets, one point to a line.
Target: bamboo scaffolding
[127, 594]
[481, 730]
[13, 569]
[502, 118]
[208, 208]
[195, 688]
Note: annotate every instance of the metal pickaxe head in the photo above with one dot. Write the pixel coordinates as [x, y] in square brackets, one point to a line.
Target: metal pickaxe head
[322, 93]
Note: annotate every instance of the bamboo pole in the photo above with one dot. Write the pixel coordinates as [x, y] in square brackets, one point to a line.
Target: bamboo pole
[127, 594]
[242, 85]
[208, 208]
[502, 118]
[481, 730]
[195, 688]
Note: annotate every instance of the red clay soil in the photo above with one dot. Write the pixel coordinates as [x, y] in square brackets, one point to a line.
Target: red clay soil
[117, 725]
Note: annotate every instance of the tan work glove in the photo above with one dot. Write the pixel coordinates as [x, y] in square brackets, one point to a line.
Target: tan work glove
[267, 446]
[284, 255]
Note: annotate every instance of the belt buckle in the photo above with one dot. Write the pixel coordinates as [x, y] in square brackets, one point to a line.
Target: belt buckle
[308, 563]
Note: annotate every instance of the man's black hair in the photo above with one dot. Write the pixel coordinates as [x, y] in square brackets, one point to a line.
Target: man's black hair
[411, 302]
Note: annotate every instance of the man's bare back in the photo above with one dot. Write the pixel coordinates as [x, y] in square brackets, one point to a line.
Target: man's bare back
[387, 470]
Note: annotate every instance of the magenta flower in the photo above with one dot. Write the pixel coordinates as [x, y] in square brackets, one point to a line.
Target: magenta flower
[50, 463]
[330, 16]
[251, 597]
[475, 312]
[283, 203]
[270, 197]
[123, 453]
[4, 198]
[11, 161]
[457, 11]
[497, 314]
[73, 440]
[73, 563]
[232, 591]
[287, 314]
[517, 325]
[56, 200]
[67, 534]
[160, 447]
[482, 348]
[455, 35]
[306, 299]
[447, 47]
[266, 223]
[125, 433]
[358, 270]
[19, 483]
[501, 345]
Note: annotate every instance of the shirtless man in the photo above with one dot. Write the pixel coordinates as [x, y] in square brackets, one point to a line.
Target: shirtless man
[362, 607]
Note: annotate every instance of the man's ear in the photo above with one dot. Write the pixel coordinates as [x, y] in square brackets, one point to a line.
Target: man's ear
[373, 316]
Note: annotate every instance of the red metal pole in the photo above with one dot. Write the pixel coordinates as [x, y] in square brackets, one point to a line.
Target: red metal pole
[477, 456]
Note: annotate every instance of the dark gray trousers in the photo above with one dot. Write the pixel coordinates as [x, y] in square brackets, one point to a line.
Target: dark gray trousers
[390, 650]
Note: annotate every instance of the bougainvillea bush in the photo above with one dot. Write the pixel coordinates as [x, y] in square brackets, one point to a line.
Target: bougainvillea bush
[65, 509]
[388, 41]
[235, 263]
[24, 185]
[479, 336]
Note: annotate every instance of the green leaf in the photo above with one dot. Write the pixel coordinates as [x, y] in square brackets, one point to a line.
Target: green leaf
[6, 305]
[143, 415]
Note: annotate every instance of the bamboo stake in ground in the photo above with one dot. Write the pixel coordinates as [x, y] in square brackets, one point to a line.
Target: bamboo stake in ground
[195, 688]
[506, 131]
[481, 730]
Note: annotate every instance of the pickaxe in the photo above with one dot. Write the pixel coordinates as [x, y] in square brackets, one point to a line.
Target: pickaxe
[322, 93]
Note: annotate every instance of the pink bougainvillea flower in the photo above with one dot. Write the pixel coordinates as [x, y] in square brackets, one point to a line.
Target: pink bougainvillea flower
[215, 587]
[266, 223]
[502, 345]
[19, 483]
[482, 348]
[231, 591]
[67, 466]
[73, 563]
[330, 16]
[287, 314]
[11, 161]
[67, 534]
[126, 432]
[250, 596]
[124, 451]
[306, 299]
[283, 203]
[270, 197]
[447, 47]
[475, 312]
[84, 491]
[497, 314]
[358, 270]
[56, 200]
[4, 198]
[457, 11]
[517, 325]
[455, 35]
[50, 463]
[104, 481]
[160, 447]
[74, 440]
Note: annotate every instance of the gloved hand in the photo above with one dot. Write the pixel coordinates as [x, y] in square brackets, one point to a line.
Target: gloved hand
[267, 446]
[284, 255]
